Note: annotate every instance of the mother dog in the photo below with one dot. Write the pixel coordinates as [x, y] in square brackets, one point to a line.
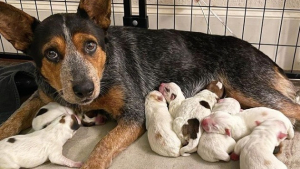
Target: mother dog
[82, 64]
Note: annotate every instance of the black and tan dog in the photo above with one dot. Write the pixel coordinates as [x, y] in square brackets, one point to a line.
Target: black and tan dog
[82, 64]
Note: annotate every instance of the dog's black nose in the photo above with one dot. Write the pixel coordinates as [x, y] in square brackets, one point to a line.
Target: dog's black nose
[83, 89]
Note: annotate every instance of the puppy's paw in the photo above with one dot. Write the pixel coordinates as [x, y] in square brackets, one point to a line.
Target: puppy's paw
[234, 157]
[76, 164]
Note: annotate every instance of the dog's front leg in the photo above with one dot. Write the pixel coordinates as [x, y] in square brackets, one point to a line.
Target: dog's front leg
[112, 144]
[22, 118]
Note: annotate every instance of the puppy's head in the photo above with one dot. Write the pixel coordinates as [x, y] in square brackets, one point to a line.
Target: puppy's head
[155, 97]
[70, 121]
[170, 91]
[68, 49]
[218, 122]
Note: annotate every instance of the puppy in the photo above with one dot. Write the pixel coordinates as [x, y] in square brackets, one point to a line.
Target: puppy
[241, 124]
[214, 146]
[94, 117]
[34, 149]
[229, 105]
[48, 113]
[161, 137]
[256, 149]
[190, 112]
[173, 95]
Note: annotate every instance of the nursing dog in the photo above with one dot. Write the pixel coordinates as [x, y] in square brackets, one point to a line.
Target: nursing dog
[82, 64]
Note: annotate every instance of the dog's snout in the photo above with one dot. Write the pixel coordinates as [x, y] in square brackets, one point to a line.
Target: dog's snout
[83, 89]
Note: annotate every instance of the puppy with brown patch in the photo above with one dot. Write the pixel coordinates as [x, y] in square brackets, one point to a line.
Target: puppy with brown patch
[241, 124]
[255, 151]
[48, 113]
[93, 118]
[190, 112]
[84, 65]
[34, 149]
[161, 136]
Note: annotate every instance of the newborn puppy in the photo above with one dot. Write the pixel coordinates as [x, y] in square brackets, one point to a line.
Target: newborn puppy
[256, 149]
[161, 137]
[241, 124]
[229, 105]
[34, 149]
[215, 147]
[48, 113]
[190, 112]
[173, 95]
[94, 117]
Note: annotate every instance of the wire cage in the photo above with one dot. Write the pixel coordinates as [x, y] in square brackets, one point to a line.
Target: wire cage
[272, 26]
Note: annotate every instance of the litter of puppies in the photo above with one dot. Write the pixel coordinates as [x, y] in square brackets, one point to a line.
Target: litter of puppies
[217, 128]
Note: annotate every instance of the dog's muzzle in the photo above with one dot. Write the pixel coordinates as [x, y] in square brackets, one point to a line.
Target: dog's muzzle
[83, 89]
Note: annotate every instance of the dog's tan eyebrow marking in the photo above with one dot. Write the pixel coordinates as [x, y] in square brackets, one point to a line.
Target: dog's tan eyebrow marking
[11, 140]
[58, 43]
[79, 40]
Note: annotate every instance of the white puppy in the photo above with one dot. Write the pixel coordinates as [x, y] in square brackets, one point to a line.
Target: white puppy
[190, 112]
[213, 146]
[256, 149]
[173, 95]
[229, 105]
[48, 113]
[162, 138]
[34, 149]
[241, 124]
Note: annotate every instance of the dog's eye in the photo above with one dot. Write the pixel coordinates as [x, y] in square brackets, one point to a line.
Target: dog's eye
[90, 47]
[52, 55]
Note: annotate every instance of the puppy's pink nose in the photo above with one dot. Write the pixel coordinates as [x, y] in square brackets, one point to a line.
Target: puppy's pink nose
[204, 124]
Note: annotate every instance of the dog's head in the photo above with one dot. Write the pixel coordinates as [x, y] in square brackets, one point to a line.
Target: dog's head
[68, 49]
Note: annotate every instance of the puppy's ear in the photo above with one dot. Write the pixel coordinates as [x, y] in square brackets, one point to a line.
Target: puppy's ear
[17, 26]
[97, 10]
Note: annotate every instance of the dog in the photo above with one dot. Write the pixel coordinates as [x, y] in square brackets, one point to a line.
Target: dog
[229, 105]
[256, 149]
[240, 125]
[34, 149]
[47, 114]
[161, 136]
[190, 112]
[84, 64]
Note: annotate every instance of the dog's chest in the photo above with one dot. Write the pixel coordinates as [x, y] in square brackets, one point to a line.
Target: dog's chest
[112, 102]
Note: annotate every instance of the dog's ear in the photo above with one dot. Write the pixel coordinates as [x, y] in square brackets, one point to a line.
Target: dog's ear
[17, 26]
[97, 10]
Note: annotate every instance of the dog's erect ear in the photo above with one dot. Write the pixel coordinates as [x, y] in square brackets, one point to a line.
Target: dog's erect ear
[97, 10]
[17, 26]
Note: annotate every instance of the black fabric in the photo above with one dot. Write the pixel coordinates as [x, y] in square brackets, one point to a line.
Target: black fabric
[15, 81]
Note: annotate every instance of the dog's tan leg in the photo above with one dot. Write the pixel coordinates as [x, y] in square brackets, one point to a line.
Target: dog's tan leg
[124, 134]
[22, 118]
